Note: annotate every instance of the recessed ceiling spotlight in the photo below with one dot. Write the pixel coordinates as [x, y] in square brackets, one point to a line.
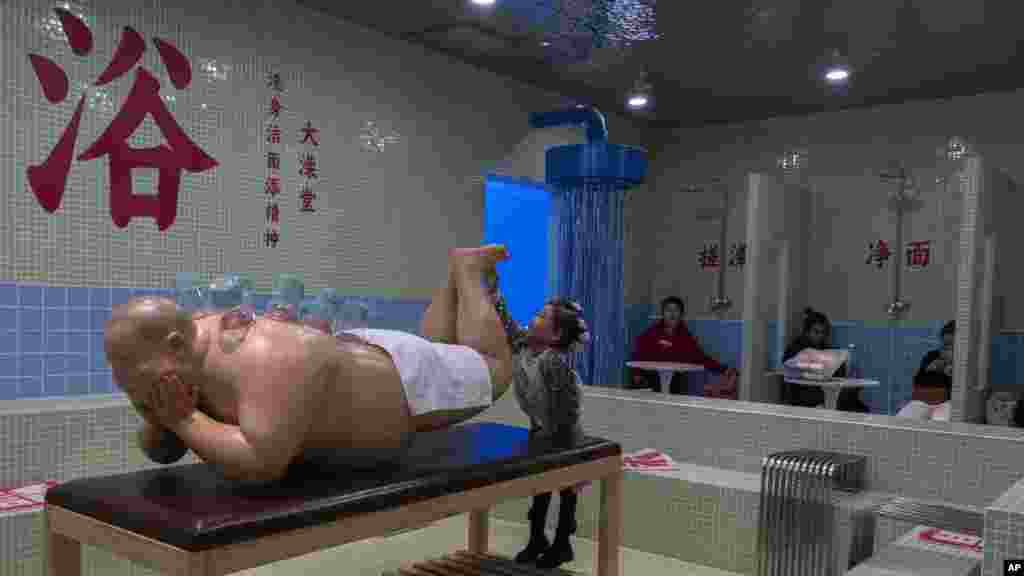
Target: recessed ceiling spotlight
[640, 96]
[838, 72]
[483, 2]
[637, 101]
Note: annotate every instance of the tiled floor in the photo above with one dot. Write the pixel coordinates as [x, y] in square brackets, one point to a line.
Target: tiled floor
[377, 556]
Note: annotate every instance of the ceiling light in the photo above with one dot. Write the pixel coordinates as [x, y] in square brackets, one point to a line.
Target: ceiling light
[637, 101]
[838, 71]
[837, 74]
[640, 95]
[483, 2]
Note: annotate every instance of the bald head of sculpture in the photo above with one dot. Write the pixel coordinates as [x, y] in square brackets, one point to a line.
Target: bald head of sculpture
[146, 339]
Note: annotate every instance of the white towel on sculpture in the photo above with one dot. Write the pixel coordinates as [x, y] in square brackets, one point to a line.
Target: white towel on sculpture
[435, 376]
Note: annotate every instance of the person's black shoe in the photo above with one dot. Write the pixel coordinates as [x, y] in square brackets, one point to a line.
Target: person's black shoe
[559, 553]
[534, 550]
[538, 543]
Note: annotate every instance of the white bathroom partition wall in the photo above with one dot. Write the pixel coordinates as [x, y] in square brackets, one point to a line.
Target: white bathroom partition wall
[987, 328]
[966, 404]
[785, 302]
[768, 209]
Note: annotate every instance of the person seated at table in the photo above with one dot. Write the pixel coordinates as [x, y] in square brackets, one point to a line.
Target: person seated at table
[933, 383]
[817, 334]
[251, 395]
[668, 340]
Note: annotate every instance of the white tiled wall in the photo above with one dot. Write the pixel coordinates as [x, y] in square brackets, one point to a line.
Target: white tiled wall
[386, 218]
[845, 151]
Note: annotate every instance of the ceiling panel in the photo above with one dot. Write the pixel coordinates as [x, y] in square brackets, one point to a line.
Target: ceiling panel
[718, 61]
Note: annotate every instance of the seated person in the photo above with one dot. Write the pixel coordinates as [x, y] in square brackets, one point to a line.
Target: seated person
[251, 396]
[668, 340]
[933, 383]
[816, 334]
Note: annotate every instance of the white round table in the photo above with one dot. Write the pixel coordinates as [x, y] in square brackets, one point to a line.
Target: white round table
[665, 370]
[833, 386]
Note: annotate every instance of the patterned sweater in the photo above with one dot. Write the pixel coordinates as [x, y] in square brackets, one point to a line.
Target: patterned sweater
[546, 386]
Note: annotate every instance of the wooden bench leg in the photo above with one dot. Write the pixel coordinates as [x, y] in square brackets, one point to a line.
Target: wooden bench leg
[609, 528]
[478, 531]
[64, 555]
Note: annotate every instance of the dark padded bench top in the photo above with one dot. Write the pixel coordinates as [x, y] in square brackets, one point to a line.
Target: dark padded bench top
[193, 508]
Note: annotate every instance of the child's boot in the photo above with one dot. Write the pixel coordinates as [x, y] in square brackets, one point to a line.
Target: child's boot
[538, 540]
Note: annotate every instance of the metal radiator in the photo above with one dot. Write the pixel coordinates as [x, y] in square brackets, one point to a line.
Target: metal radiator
[797, 523]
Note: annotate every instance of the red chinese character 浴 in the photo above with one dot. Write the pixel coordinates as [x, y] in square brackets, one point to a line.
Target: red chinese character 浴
[48, 179]
[273, 161]
[274, 134]
[273, 213]
[275, 108]
[307, 198]
[309, 134]
[307, 166]
[271, 237]
[273, 185]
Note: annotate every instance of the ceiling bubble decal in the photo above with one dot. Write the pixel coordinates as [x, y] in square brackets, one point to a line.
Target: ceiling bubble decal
[602, 23]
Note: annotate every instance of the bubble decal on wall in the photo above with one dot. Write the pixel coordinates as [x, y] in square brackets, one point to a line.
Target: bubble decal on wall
[374, 139]
[214, 70]
[49, 24]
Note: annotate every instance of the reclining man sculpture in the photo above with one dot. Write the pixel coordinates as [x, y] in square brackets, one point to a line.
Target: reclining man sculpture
[251, 397]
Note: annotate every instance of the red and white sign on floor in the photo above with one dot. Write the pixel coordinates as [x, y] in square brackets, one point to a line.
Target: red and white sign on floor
[937, 540]
[24, 498]
[647, 460]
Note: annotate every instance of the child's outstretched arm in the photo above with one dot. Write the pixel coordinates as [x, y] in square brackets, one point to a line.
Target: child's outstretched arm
[515, 333]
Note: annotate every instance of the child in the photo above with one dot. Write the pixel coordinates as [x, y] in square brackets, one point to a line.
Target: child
[548, 391]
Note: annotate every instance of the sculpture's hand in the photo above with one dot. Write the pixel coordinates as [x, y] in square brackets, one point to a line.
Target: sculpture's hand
[172, 401]
[160, 445]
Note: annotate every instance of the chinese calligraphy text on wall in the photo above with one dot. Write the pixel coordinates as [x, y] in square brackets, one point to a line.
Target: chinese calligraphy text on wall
[709, 257]
[309, 139]
[272, 185]
[48, 180]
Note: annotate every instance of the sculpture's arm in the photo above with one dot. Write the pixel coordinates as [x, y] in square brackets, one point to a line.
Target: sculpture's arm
[273, 422]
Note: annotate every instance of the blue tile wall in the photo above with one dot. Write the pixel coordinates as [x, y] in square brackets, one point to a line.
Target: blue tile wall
[890, 355]
[51, 337]
[51, 342]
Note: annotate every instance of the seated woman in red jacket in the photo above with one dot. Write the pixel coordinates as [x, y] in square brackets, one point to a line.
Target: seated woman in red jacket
[669, 341]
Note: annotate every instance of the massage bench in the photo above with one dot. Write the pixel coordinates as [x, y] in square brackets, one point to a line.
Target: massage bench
[186, 520]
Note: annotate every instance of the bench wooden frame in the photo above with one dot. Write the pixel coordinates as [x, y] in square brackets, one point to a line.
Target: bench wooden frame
[67, 531]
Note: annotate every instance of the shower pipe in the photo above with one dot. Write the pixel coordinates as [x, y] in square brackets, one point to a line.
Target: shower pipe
[898, 306]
